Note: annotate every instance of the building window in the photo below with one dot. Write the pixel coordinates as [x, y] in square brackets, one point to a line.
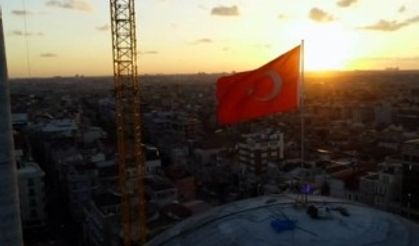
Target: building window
[30, 182]
[31, 192]
[32, 203]
[34, 214]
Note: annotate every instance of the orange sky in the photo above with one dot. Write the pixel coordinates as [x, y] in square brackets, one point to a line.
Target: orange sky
[69, 37]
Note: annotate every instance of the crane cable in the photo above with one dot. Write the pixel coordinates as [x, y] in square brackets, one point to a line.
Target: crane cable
[25, 35]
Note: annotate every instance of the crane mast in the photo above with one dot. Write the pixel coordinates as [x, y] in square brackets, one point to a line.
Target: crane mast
[130, 154]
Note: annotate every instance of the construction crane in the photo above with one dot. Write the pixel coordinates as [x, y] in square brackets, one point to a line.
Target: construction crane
[128, 121]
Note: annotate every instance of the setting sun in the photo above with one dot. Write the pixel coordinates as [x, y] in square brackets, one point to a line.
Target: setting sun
[326, 47]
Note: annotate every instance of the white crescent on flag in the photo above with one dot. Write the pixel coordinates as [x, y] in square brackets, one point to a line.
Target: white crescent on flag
[277, 86]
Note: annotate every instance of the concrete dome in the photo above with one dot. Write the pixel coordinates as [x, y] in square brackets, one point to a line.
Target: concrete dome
[280, 220]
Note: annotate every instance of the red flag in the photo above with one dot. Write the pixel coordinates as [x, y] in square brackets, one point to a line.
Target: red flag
[269, 89]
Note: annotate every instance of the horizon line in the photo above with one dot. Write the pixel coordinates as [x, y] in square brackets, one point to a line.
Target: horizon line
[211, 73]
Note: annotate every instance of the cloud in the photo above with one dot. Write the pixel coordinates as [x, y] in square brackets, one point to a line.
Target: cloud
[203, 7]
[18, 33]
[105, 27]
[20, 12]
[70, 4]
[409, 58]
[48, 55]
[412, 20]
[202, 41]
[384, 25]
[319, 15]
[282, 16]
[401, 9]
[345, 3]
[225, 11]
[148, 52]
[21, 33]
[390, 26]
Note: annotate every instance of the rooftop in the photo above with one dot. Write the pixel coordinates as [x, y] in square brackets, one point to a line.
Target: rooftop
[277, 220]
[157, 183]
[413, 141]
[106, 199]
[31, 169]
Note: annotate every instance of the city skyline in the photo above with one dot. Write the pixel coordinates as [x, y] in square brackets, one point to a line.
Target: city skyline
[68, 37]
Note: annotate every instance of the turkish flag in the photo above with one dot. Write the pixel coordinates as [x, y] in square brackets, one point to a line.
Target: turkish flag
[269, 89]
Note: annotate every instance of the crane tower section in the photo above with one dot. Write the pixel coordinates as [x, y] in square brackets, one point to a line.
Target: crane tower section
[128, 121]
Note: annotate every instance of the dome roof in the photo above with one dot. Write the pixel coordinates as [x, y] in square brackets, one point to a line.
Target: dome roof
[281, 220]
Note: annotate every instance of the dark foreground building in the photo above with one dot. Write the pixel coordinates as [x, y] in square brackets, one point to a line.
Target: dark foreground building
[410, 180]
[10, 228]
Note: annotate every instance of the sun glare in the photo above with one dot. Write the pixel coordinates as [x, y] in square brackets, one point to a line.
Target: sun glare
[326, 47]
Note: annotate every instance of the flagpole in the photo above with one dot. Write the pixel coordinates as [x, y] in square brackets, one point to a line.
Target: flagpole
[302, 112]
[302, 102]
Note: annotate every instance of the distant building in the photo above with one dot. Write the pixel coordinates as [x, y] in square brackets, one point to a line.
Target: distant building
[179, 125]
[408, 118]
[257, 150]
[101, 225]
[388, 188]
[19, 120]
[186, 188]
[367, 188]
[410, 184]
[32, 195]
[80, 183]
[363, 114]
[207, 156]
[107, 175]
[160, 190]
[197, 206]
[153, 161]
[186, 127]
[179, 156]
[60, 128]
[337, 187]
[383, 114]
[92, 134]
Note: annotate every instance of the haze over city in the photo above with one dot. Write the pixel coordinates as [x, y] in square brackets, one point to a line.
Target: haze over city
[68, 37]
